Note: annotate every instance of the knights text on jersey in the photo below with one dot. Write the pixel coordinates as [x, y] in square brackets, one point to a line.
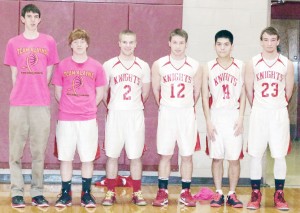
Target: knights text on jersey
[177, 82]
[225, 84]
[125, 82]
[269, 82]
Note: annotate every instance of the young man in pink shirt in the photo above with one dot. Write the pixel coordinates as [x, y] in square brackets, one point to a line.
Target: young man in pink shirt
[31, 57]
[79, 86]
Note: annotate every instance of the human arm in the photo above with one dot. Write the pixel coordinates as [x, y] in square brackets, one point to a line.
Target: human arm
[145, 91]
[99, 94]
[197, 84]
[105, 94]
[156, 82]
[58, 91]
[249, 82]
[49, 73]
[289, 80]
[14, 73]
[211, 131]
[238, 127]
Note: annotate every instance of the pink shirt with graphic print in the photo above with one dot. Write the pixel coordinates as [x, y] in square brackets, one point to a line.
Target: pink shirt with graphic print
[31, 57]
[78, 82]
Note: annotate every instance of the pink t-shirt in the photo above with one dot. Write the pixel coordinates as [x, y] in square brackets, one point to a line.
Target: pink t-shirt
[78, 82]
[31, 57]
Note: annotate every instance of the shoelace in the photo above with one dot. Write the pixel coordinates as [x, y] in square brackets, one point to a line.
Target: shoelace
[188, 195]
[254, 197]
[216, 197]
[139, 195]
[161, 194]
[280, 197]
[109, 194]
[234, 198]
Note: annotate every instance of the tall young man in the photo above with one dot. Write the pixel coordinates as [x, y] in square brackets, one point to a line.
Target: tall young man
[176, 82]
[129, 86]
[269, 83]
[31, 57]
[223, 83]
[79, 86]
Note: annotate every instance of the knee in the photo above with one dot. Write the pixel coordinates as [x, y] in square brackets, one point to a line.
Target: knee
[234, 162]
[187, 159]
[165, 158]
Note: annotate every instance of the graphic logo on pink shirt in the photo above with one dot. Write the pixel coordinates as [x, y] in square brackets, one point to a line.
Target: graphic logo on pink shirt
[76, 84]
[31, 61]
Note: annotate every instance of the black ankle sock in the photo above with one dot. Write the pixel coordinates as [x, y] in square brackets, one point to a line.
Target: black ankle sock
[66, 186]
[279, 184]
[163, 184]
[255, 184]
[185, 185]
[86, 184]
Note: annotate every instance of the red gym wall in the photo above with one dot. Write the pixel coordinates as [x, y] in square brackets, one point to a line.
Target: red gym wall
[152, 20]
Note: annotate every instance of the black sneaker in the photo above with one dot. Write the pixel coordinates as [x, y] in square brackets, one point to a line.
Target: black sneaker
[39, 201]
[87, 200]
[17, 202]
[65, 199]
[233, 201]
[218, 200]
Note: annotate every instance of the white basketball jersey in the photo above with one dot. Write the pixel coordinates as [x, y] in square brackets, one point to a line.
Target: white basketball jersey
[177, 81]
[225, 84]
[126, 80]
[269, 82]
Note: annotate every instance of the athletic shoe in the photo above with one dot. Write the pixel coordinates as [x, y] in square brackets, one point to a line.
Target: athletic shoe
[254, 203]
[161, 198]
[65, 199]
[233, 201]
[109, 199]
[217, 201]
[138, 199]
[39, 201]
[279, 201]
[186, 198]
[87, 200]
[17, 202]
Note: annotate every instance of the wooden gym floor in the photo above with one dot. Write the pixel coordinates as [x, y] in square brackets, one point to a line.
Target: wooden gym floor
[124, 204]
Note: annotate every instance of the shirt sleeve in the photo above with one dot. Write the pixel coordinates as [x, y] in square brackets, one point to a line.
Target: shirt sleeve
[9, 56]
[101, 77]
[57, 76]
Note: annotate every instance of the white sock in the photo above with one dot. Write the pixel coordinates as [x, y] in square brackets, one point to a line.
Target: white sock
[219, 191]
[231, 192]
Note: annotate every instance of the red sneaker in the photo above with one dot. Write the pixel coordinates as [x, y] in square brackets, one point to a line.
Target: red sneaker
[254, 203]
[186, 198]
[109, 199]
[138, 199]
[161, 198]
[279, 201]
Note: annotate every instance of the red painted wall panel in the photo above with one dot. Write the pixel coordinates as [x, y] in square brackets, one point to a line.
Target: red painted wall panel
[288, 10]
[103, 21]
[153, 23]
[168, 2]
[9, 11]
[103, 26]
[57, 21]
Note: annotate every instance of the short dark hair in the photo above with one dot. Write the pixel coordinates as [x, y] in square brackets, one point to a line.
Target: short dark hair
[30, 8]
[224, 34]
[179, 32]
[270, 31]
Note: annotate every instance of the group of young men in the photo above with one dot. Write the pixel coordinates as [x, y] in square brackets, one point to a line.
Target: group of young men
[123, 84]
